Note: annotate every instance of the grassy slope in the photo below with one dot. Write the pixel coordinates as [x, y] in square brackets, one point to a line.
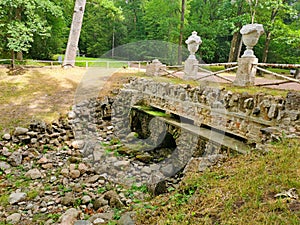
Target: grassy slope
[241, 191]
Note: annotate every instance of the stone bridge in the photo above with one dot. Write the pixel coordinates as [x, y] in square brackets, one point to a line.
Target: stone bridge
[248, 118]
[200, 123]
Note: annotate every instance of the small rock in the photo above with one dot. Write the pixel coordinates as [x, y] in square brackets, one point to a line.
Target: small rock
[157, 184]
[16, 158]
[69, 217]
[16, 197]
[126, 219]
[92, 179]
[71, 115]
[6, 137]
[121, 163]
[168, 170]
[68, 199]
[110, 127]
[132, 136]
[100, 202]
[74, 174]
[65, 172]
[78, 144]
[82, 222]
[113, 199]
[86, 199]
[99, 221]
[4, 166]
[14, 218]
[82, 168]
[42, 160]
[104, 216]
[146, 170]
[20, 131]
[33, 174]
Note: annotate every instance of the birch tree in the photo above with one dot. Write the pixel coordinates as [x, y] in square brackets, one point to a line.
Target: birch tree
[74, 35]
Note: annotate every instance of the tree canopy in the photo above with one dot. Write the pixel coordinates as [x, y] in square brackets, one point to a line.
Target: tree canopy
[40, 28]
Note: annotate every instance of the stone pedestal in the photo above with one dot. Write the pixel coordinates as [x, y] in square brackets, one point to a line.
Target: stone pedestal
[190, 67]
[245, 75]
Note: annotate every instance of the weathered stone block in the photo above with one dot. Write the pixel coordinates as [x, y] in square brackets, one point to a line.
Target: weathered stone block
[245, 75]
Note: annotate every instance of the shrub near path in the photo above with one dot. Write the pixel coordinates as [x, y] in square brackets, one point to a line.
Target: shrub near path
[37, 94]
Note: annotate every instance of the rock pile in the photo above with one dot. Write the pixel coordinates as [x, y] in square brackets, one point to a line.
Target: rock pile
[47, 179]
[69, 172]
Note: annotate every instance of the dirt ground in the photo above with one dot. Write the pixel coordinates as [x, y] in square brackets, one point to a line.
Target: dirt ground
[46, 94]
[37, 94]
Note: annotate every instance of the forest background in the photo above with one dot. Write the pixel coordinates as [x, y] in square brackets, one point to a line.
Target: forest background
[39, 29]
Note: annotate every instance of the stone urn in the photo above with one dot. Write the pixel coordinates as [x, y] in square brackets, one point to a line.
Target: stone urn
[193, 43]
[250, 35]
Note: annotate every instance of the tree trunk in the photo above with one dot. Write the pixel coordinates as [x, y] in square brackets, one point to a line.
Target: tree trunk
[12, 59]
[19, 18]
[236, 42]
[235, 48]
[181, 32]
[74, 35]
[266, 48]
[268, 34]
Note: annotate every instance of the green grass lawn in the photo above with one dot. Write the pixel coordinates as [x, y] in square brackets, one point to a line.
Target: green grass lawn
[239, 192]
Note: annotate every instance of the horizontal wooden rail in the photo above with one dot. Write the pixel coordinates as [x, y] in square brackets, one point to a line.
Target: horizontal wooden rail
[278, 75]
[218, 64]
[294, 66]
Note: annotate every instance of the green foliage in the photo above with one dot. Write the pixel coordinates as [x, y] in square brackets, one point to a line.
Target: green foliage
[96, 37]
[21, 20]
[41, 28]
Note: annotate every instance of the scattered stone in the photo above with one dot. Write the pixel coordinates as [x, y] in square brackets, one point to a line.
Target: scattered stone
[69, 217]
[168, 170]
[74, 174]
[126, 219]
[15, 158]
[71, 115]
[4, 166]
[99, 221]
[157, 184]
[86, 199]
[16, 197]
[6, 137]
[42, 160]
[82, 222]
[64, 172]
[122, 163]
[78, 144]
[68, 199]
[14, 218]
[82, 168]
[33, 174]
[20, 131]
[113, 199]
[100, 202]
[104, 216]
[92, 179]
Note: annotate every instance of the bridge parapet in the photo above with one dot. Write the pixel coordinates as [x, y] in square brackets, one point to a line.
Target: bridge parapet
[240, 114]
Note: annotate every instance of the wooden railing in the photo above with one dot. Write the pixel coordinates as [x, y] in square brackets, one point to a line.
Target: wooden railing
[85, 63]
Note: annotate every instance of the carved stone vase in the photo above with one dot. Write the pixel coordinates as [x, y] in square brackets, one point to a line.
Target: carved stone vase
[250, 36]
[193, 43]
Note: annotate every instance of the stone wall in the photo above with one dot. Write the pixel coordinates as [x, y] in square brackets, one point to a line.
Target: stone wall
[251, 117]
